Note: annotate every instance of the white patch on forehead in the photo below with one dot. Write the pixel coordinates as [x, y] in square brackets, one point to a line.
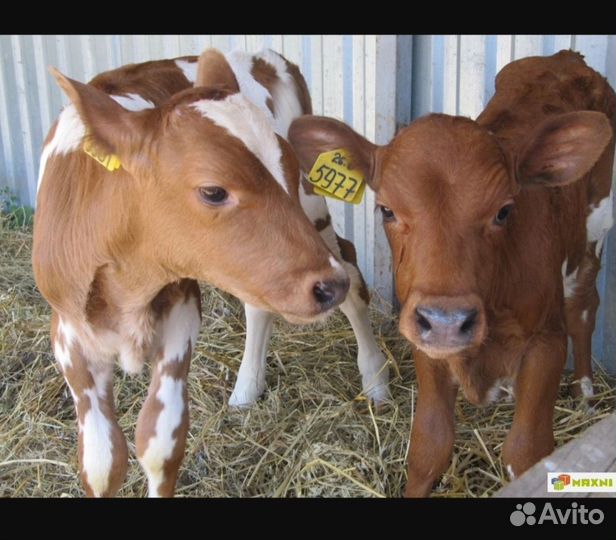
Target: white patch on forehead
[241, 65]
[70, 131]
[586, 387]
[181, 325]
[160, 447]
[247, 123]
[133, 102]
[599, 222]
[569, 280]
[189, 69]
[287, 106]
[97, 445]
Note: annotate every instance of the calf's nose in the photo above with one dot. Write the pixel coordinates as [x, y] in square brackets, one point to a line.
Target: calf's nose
[330, 293]
[446, 328]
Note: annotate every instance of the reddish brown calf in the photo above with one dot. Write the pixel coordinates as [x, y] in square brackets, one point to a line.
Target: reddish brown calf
[496, 228]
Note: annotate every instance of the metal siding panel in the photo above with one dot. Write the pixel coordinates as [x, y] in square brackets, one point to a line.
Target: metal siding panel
[255, 43]
[594, 49]
[25, 80]
[316, 73]
[526, 46]
[9, 156]
[471, 75]
[385, 127]
[422, 81]
[451, 74]
[333, 105]
[292, 49]
[360, 238]
[222, 43]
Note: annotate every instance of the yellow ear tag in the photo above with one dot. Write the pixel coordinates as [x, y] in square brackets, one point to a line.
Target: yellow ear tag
[111, 162]
[332, 177]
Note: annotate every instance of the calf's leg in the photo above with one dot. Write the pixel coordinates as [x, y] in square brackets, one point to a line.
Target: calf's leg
[432, 433]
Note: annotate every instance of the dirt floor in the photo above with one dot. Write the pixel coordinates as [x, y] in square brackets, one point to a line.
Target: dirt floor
[312, 434]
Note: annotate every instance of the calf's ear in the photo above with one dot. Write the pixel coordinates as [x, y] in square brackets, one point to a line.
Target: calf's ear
[563, 148]
[311, 135]
[110, 128]
[214, 70]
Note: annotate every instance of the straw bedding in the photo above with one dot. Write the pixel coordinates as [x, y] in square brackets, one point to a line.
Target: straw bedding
[312, 434]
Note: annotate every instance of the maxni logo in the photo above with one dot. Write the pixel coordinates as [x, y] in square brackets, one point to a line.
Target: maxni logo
[576, 514]
[582, 482]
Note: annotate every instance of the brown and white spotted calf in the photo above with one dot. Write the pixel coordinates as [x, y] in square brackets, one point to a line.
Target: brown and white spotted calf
[481, 217]
[206, 190]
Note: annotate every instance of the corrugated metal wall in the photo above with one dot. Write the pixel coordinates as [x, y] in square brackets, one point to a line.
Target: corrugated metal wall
[455, 75]
[350, 77]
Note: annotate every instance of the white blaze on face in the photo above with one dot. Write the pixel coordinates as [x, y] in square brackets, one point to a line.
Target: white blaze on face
[70, 131]
[133, 102]
[160, 447]
[584, 315]
[189, 69]
[599, 222]
[97, 445]
[248, 124]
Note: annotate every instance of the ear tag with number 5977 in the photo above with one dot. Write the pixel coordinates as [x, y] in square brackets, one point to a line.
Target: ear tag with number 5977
[332, 177]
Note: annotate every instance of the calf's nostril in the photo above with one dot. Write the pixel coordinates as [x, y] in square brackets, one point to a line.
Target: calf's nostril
[422, 321]
[323, 292]
[469, 322]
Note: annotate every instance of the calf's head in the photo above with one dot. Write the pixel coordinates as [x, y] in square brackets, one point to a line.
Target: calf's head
[447, 189]
[212, 193]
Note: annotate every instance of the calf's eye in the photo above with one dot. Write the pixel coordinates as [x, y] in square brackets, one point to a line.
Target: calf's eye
[502, 215]
[213, 195]
[388, 214]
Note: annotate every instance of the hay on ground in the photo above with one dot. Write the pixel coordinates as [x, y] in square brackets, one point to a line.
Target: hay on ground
[312, 434]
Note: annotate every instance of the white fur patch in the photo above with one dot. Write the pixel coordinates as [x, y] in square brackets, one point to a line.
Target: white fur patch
[370, 360]
[284, 94]
[67, 138]
[569, 280]
[62, 351]
[241, 65]
[181, 325]
[160, 447]
[189, 69]
[599, 222]
[335, 264]
[97, 445]
[247, 123]
[250, 382]
[586, 387]
[503, 387]
[584, 315]
[133, 102]
[510, 472]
